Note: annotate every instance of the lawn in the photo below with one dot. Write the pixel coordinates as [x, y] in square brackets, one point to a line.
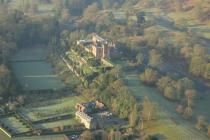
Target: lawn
[168, 122]
[173, 131]
[35, 53]
[32, 70]
[49, 108]
[36, 75]
[188, 20]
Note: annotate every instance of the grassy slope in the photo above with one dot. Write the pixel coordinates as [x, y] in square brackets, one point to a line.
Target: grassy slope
[169, 123]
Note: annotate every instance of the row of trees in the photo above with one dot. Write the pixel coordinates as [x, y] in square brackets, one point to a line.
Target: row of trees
[181, 90]
[171, 89]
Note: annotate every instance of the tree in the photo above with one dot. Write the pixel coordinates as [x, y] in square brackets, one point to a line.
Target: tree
[5, 80]
[208, 133]
[155, 59]
[190, 95]
[207, 71]
[169, 92]
[199, 9]
[114, 135]
[199, 50]
[139, 59]
[87, 135]
[183, 84]
[107, 4]
[164, 82]
[149, 76]
[117, 71]
[65, 14]
[148, 110]
[186, 51]
[65, 39]
[197, 65]
[188, 113]
[91, 11]
[133, 116]
[200, 122]
[20, 99]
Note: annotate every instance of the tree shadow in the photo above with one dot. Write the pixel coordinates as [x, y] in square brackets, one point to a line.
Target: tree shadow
[156, 137]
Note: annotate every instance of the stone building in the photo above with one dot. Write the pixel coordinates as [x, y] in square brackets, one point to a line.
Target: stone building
[85, 111]
[87, 120]
[98, 46]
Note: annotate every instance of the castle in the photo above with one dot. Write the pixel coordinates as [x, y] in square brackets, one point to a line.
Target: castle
[98, 46]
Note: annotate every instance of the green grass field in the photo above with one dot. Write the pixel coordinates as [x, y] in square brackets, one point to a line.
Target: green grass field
[36, 75]
[168, 122]
[32, 70]
[30, 53]
[50, 108]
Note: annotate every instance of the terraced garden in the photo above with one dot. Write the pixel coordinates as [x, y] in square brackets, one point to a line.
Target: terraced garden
[15, 124]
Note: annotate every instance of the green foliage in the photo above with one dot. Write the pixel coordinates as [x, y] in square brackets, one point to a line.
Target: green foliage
[169, 92]
[140, 58]
[155, 59]
[87, 135]
[113, 92]
[5, 80]
[197, 65]
[148, 109]
[91, 11]
[149, 76]
[172, 89]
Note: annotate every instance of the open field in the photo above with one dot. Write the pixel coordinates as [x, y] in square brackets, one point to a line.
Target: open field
[166, 113]
[35, 53]
[50, 108]
[36, 75]
[172, 131]
[46, 109]
[32, 70]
